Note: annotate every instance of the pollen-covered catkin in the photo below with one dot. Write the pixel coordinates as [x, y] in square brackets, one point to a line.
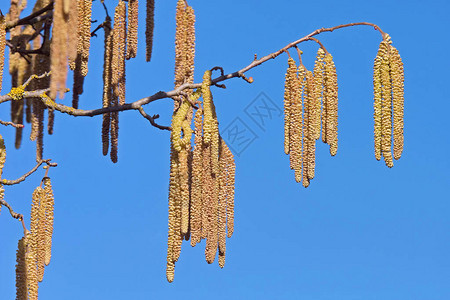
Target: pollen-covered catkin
[132, 34]
[386, 110]
[2, 155]
[290, 75]
[197, 178]
[397, 77]
[21, 270]
[2, 47]
[230, 181]
[332, 104]
[319, 67]
[312, 114]
[107, 81]
[49, 202]
[119, 51]
[149, 28]
[377, 106]
[296, 124]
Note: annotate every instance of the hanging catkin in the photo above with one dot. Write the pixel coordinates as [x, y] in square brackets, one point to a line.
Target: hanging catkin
[21, 270]
[290, 75]
[132, 33]
[296, 122]
[386, 109]
[2, 47]
[319, 67]
[331, 95]
[119, 51]
[49, 202]
[397, 77]
[197, 177]
[107, 80]
[149, 28]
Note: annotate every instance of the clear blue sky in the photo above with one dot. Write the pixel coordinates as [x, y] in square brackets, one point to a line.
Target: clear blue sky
[360, 231]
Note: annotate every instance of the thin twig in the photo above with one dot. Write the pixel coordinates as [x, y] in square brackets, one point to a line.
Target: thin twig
[14, 214]
[23, 177]
[29, 19]
[152, 119]
[11, 124]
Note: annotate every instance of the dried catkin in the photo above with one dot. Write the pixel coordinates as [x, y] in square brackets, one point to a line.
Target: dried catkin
[49, 202]
[107, 80]
[2, 155]
[84, 36]
[2, 47]
[290, 75]
[397, 77]
[197, 181]
[21, 270]
[386, 109]
[149, 28]
[132, 34]
[119, 51]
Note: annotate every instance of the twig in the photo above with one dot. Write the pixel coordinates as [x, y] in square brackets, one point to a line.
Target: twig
[36, 16]
[11, 124]
[23, 177]
[152, 119]
[14, 214]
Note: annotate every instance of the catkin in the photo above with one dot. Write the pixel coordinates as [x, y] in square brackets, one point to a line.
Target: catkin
[377, 106]
[319, 67]
[149, 28]
[197, 177]
[296, 125]
[107, 80]
[2, 155]
[290, 75]
[173, 194]
[49, 203]
[21, 270]
[312, 113]
[132, 33]
[331, 103]
[397, 77]
[119, 51]
[386, 110]
[230, 181]
[222, 205]
[2, 47]
[184, 183]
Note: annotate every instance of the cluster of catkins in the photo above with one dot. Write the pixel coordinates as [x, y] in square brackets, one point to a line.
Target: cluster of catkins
[34, 249]
[201, 190]
[388, 90]
[310, 107]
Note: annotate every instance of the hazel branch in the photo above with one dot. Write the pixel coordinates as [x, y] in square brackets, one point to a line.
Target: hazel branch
[33, 18]
[23, 177]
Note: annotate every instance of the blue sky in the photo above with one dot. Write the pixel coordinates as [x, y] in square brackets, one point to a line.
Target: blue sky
[360, 231]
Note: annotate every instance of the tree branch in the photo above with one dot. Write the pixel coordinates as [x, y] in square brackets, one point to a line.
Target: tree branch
[32, 18]
[23, 177]
[137, 105]
[152, 119]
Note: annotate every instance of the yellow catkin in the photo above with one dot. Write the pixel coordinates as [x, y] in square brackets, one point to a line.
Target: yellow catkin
[180, 41]
[312, 112]
[85, 35]
[290, 75]
[319, 67]
[49, 201]
[206, 190]
[184, 182]
[386, 110]
[149, 28]
[212, 206]
[178, 237]
[107, 79]
[222, 203]
[132, 31]
[2, 47]
[305, 139]
[40, 240]
[208, 109]
[296, 125]
[73, 33]
[59, 51]
[119, 51]
[184, 44]
[377, 106]
[173, 194]
[197, 181]
[33, 245]
[21, 270]
[230, 180]
[397, 76]
[331, 102]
